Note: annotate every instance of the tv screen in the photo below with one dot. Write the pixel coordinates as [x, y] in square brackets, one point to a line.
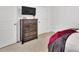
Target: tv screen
[28, 11]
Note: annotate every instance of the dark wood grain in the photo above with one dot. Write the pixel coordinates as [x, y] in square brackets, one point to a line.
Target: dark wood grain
[28, 29]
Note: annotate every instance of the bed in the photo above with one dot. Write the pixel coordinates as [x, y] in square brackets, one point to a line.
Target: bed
[72, 43]
[57, 42]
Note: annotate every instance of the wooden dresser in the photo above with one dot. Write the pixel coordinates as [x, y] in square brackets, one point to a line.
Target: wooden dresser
[28, 29]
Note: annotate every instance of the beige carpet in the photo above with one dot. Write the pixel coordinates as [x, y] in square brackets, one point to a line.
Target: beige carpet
[37, 45]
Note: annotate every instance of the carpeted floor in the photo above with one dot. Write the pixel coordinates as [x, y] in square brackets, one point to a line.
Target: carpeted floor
[37, 45]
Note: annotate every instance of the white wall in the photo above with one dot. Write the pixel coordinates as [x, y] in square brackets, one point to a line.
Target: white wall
[65, 17]
[42, 16]
[51, 20]
[8, 18]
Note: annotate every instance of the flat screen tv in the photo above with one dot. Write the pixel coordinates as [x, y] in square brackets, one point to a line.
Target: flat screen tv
[28, 10]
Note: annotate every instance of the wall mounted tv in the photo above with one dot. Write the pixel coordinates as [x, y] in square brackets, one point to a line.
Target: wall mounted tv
[28, 11]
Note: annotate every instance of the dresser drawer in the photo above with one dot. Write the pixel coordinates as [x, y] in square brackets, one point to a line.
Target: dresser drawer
[28, 38]
[26, 34]
[33, 21]
[25, 25]
[32, 29]
[33, 24]
[26, 30]
[33, 33]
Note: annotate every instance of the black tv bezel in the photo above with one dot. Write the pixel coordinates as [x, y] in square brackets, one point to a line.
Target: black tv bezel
[33, 13]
